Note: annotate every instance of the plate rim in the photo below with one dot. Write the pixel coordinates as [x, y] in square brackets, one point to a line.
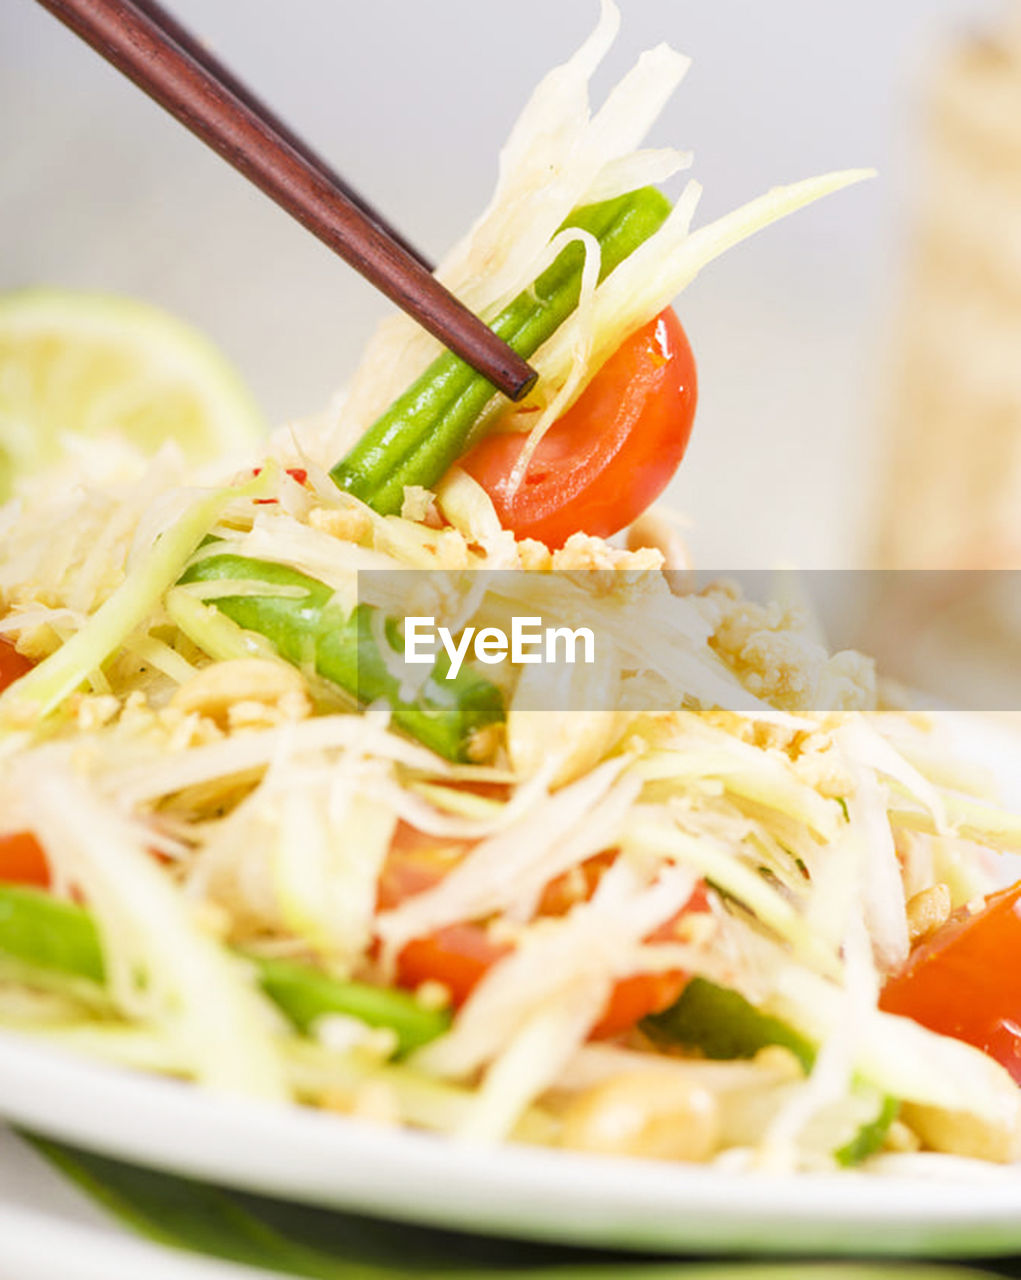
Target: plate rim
[295, 1153]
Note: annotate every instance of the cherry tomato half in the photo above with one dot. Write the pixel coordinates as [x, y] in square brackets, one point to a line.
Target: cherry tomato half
[459, 955]
[613, 452]
[12, 665]
[965, 980]
[22, 861]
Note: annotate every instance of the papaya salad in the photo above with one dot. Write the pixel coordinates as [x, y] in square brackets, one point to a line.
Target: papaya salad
[760, 927]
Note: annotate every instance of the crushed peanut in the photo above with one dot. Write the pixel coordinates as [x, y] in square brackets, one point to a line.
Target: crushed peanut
[433, 995]
[188, 730]
[244, 692]
[960, 1134]
[901, 1139]
[95, 710]
[373, 1101]
[646, 1114]
[928, 910]
[350, 524]
[774, 652]
[582, 551]
[420, 505]
[533, 555]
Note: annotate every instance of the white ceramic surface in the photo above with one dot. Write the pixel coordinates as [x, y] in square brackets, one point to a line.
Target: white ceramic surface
[49, 1230]
[39, 1246]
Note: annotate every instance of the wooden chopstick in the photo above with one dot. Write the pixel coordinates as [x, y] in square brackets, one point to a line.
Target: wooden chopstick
[192, 46]
[134, 43]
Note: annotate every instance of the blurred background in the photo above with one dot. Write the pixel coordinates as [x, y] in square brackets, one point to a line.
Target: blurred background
[820, 344]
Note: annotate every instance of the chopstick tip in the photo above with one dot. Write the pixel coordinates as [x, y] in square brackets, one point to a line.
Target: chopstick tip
[518, 381]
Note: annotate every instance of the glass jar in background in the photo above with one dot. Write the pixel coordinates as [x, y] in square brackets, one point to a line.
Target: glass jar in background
[951, 487]
[953, 431]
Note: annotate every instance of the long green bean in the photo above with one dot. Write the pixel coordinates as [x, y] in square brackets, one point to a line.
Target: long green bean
[426, 429]
[44, 932]
[313, 631]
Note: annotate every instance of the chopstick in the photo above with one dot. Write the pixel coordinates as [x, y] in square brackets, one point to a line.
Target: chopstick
[193, 47]
[195, 94]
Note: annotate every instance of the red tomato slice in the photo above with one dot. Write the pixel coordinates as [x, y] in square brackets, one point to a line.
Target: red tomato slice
[22, 861]
[415, 863]
[965, 980]
[611, 454]
[459, 955]
[643, 994]
[12, 665]
[635, 998]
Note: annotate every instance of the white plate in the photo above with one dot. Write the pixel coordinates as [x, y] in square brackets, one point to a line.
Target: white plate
[333, 1161]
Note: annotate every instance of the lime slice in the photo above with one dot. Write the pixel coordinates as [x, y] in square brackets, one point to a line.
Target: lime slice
[94, 365]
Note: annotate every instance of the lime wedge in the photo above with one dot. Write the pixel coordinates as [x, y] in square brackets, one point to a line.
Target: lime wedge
[93, 365]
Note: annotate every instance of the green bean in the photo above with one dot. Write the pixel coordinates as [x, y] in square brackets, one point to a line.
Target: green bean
[315, 632]
[415, 442]
[43, 932]
[305, 995]
[426, 430]
[47, 932]
[870, 1137]
[721, 1023]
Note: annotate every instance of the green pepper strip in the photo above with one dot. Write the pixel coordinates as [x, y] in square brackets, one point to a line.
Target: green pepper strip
[722, 1024]
[44, 932]
[426, 430]
[315, 632]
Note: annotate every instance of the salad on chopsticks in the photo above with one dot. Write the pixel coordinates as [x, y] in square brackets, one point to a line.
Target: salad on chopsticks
[757, 927]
